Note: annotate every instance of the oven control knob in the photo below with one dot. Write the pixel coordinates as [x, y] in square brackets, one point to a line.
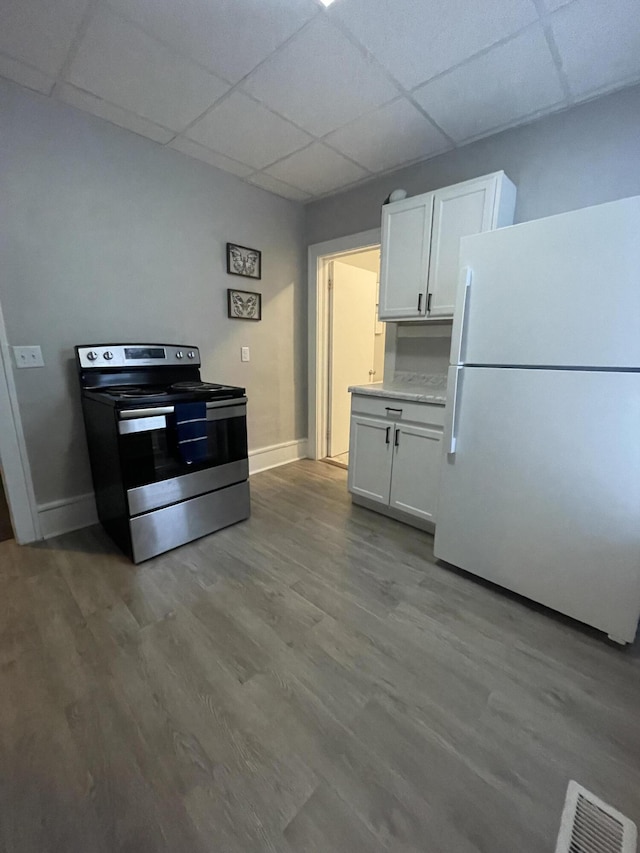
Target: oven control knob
[92, 355]
[108, 355]
[179, 354]
[191, 354]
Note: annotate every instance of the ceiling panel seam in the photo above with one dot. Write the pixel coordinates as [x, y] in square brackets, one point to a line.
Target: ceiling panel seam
[79, 34]
[545, 18]
[238, 86]
[344, 29]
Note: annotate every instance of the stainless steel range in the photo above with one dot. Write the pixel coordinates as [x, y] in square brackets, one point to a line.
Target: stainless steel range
[168, 451]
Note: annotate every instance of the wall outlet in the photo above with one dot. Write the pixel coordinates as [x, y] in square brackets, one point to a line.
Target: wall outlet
[28, 357]
[244, 353]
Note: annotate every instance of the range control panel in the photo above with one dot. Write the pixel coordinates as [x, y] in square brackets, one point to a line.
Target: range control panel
[136, 355]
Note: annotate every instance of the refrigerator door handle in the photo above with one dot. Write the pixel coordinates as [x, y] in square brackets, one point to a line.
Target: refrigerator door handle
[453, 403]
[460, 316]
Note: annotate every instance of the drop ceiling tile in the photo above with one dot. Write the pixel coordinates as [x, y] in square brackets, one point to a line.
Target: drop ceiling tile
[552, 5]
[91, 104]
[199, 152]
[39, 32]
[319, 80]
[417, 39]
[119, 63]
[266, 182]
[388, 137]
[228, 36]
[599, 43]
[245, 130]
[316, 170]
[508, 83]
[25, 75]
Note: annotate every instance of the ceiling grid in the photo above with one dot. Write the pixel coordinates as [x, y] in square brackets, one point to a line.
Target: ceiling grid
[304, 100]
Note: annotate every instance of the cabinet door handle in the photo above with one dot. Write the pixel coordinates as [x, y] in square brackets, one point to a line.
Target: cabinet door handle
[386, 441]
[396, 440]
[419, 303]
[428, 303]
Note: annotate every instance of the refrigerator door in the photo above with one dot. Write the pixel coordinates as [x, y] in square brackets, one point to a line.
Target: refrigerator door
[562, 291]
[542, 493]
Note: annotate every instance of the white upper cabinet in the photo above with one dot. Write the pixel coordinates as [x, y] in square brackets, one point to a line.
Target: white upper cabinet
[404, 261]
[421, 244]
[458, 211]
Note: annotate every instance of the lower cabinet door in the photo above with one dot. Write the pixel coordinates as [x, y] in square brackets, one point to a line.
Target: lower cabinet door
[416, 470]
[370, 457]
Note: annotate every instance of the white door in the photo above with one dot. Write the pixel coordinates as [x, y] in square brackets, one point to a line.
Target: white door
[458, 211]
[404, 271]
[564, 290]
[542, 495]
[352, 344]
[370, 458]
[416, 470]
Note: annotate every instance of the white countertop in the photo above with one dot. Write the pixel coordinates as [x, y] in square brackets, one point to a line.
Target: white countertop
[418, 387]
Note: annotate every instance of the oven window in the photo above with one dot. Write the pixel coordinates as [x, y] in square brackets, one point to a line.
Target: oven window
[148, 457]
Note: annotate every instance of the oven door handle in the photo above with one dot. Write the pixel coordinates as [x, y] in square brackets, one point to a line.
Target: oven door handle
[145, 423]
[126, 414]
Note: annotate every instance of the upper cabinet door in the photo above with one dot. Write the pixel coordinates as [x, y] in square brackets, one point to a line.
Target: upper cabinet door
[463, 209]
[406, 238]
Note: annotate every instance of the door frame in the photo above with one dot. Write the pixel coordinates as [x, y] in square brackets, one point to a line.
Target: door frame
[16, 470]
[319, 256]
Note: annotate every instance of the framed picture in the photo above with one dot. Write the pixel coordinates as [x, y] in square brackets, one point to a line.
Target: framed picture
[244, 305]
[244, 261]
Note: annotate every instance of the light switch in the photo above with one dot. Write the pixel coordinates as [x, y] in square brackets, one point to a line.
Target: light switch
[244, 354]
[28, 357]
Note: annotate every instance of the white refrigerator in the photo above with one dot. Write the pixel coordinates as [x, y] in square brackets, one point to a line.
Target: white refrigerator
[540, 484]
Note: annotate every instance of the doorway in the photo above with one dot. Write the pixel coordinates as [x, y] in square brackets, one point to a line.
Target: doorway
[15, 478]
[321, 257]
[355, 341]
[6, 530]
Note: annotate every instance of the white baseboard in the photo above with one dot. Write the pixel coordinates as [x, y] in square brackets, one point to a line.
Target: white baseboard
[69, 514]
[278, 454]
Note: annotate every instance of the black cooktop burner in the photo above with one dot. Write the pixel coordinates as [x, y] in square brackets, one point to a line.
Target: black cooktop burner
[194, 386]
[130, 391]
[157, 393]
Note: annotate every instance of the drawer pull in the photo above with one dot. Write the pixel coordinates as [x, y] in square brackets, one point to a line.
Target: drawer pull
[391, 409]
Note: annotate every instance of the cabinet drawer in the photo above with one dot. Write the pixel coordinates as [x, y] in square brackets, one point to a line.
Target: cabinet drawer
[398, 410]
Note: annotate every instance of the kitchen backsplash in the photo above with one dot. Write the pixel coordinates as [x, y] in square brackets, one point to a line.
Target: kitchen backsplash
[423, 355]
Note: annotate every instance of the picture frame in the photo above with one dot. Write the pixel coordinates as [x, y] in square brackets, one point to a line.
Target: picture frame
[244, 304]
[241, 260]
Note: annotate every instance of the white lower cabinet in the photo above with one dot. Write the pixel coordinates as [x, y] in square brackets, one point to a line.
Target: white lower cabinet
[416, 462]
[370, 458]
[393, 461]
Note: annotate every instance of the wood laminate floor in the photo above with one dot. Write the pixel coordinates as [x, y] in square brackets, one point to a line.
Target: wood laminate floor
[307, 681]
[341, 460]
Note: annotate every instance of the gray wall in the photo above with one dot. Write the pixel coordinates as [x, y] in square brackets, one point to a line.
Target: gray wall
[587, 155]
[106, 236]
[422, 355]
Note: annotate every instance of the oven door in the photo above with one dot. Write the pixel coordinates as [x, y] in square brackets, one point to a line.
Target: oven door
[153, 471]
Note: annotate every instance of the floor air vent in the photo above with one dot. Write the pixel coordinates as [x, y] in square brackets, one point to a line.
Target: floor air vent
[591, 826]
